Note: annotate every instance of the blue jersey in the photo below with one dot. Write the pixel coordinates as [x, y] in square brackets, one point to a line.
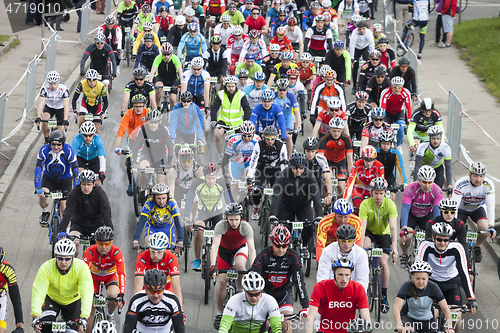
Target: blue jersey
[186, 121]
[307, 20]
[274, 117]
[164, 219]
[196, 84]
[272, 13]
[246, 12]
[190, 47]
[289, 105]
[88, 151]
[56, 166]
[276, 23]
[253, 95]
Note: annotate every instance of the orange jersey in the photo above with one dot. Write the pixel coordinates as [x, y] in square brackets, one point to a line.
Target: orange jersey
[306, 71]
[327, 232]
[168, 265]
[131, 121]
[110, 264]
[285, 44]
[361, 177]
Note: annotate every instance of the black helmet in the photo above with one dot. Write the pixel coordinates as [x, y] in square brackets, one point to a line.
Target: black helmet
[404, 61]
[57, 136]
[310, 143]
[104, 234]
[270, 130]
[2, 255]
[427, 104]
[186, 96]
[383, 40]
[380, 70]
[346, 231]
[139, 72]
[361, 24]
[154, 279]
[148, 37]
[297, 160]
[234, 209]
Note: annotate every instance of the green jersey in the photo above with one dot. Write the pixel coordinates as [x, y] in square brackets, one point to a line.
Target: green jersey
[377, 218]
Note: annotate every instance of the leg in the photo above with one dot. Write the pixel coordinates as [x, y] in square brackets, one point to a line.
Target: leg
[158, 91]
[45, 125]
[143, 177]
[240, 262]
[219, 141]
[173, 100]
[97, 125]
[76, 240]
[406, 241]
[198, 240]
[112, 291]
[289, 144]
[401, 132]
[482, 225]
[385, 271]
[220, 292]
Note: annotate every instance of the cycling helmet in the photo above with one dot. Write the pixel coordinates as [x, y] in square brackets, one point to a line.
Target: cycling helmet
[310, 143]
[145, 7]
[160, 188]
[326, 3]
[356, 18]
[110, 19]
[238, 30]
[180, 20]
[185, 154]
[287, 56]
[154, 116]
[343, 263]
[377, 27]
[281, 10]
[210, 169]
[53, 77]
[380, 70]
[398, 81]
[167, 48]
[92, 75]
[421, 266]
[278, 3]
[254, 34]
[57, 136]
[139, 98]
[346, 231]
[267, 95]
[162, 9]
[477, 168]
[247, 127]
[158, 241]
[65, 247]
[190, 12]
[87, 176]
[361, 23]
[324, 69]
[100, 38]
[216, 39]
[280, 235]
[242, 73]
[270, 131]
[359, 325]
[186, 96]
[330, 74]
[427, 104]
[250, 56]
[334, 103]
[426, 173]
[327, 16]
[315, 5]
[225, 19]
[297, 159]
[230, 79]
[234, 209]
[378, 113]
[282, 84]
[338, 44]
[154, 279]
[104, 234]
[448, 204]
[192, 26]
[403, 61]
[320, 18]
[442, 229]
[274, 47]
[375, 54]
[292, 21]
[281, 31]
[386, 136]
[337, 123]
[148, 37]
[104, 326]
[434, 130]
[197, 62]
[231, 5]
[342, 207]
[383, 40]
[2, 255]
[293, 72]
[259, 76]
[362, 95]
[379, 184]
[253, 281]
[306, 56]
[139, 72]
[147, 25]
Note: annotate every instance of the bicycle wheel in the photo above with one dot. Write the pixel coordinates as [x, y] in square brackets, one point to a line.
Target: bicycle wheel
[110, 77]
[370, 293]
[472, 255]
[411, 38]
[377, 297]
[54, 229]
[187, 245]
[127, 50]
[115, 2]
[98, 316]
[432, 7]
[265, 226]
[135, 196]
[207, 273]
[464, 5]
[308, 261]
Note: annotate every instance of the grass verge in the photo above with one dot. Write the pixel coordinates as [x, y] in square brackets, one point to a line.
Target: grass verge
[4, 38]
[480, 39]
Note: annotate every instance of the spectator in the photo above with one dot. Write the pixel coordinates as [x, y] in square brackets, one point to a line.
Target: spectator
[401, 12]
[448, 10]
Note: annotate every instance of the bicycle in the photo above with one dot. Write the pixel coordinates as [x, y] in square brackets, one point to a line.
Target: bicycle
[128, 44]
[232, 282]
[85, 241]
[418, 237]
[60, 326]
[133, 184]
[110, 76]
[356, 144]
[164, 106]
[208, 234]
[265, 212]
[188, 239]
[471, 239]
[375, 281]
[441, 320]
[55, 214]
[288, 317]
[213, 89]
[101, 304]
[407, 42]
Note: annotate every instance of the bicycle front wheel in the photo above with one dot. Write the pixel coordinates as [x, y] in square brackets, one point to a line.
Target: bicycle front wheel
[135, 195]
[265, 226]
[115, 2]
[207, 272]
[54, 227]
[377, 295]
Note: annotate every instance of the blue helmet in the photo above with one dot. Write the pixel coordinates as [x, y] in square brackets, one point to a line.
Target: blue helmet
[342, 207]
[192, 26]
[287, 56]
[297, 159]
[343, 263]
[378, 113]
[267, 95]
[259, 76]
[249, 56]
[338, 44]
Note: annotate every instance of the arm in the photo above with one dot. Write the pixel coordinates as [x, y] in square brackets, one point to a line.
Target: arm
[311, 318]
[85, 289]
[347, 61]
[315, 130]
[405, 210]
[215, 250]
[394, 236]
[251, 250]
[401, 166]
[140, 226]
[447, 168]
[176, 288]
[15, 298]
[396, 311]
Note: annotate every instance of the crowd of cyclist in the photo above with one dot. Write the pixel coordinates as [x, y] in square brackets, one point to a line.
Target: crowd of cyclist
[265, 58]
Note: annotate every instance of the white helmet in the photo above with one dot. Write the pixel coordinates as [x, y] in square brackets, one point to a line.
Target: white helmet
[158, 241]
[92, 74]
[336, 122]
[197, 62]
[434, 131]
[100, 38]
[326, 4]
[274, 47]
[230, 79]
[398, 81]
[88, 128]
[442, 229]
[225, 18]
[306, 56]
[238, 30]
[477, 168]
[65, 247]
[334, 103]
[190, 12]
[180, 20]
[426, 173]
[324, 69]
[253, 281]
[421, 266]
[147, 25]
[104, 326]
[53, 77]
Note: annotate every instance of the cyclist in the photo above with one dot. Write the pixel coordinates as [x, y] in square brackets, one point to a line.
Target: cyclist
[213, 8]
[378, 33]
[368, 69]
[254, 91]
[360, 44]
[336, 300]
[325, 91]
[418, 294]
[436, 154]
[186, 121]
[232, 245]
[376, 85]
[216, 58]
[420, 204]
[391, 158]
[272, 60]
[449, 267]
[294, 190]
[190, 14]
[158, 257]
[56, 170]
[99, 53]
[255, 21]
[87, 209]
[147, 52]
[248, 311]
[307, 71]
[423, 118]
[147, 27]
[373, 129]
[54, 100]
[249, 64]
[475, 194]
[378, 216]
[160, 213]
[294, 36]
[247, 9]
[95, 98]
[166, 71]
[199, 12]
[290, 107]
[297, 88]
[243, 81]
[163, 23]
[224, 29]
[145, 15]
[154, 309]
[234, 46]
[113, 34]
[316, 36]
[8, 281]
[197, 81]
[420, 10]
[256, 48]
[408, 74]
[269, 157]
[340, 61]
[236, 16]
[138, 86]
[318, 165]
[268, 114]
[322, 126]
[281, 267]
[309, 15]
[126, 13]
[357, 114]
[191, 45]
[62, 284]
[89, 148]
[177, 31]
[388, 57]
[281, 68]
[347, 10]
[278, 22]
[106, 264]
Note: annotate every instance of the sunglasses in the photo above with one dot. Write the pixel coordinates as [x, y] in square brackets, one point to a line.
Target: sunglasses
[247, 135]
[378, 119]
[56, 144]
[64, 259]
[99, 243]
[449, 211]
[335, 110]
[88, 135]
[442, 240]
[99, 43]
[280, 246]
[427, 182]
[153, 291]
[375, 59]
[298, 168]
[257, 294]
[187, 162]
[196, 69]
[368, 159]
[187, 102]
[404, 66]
[282, 15]
[139, 79]
[292, 78]
[255, 13]
[270, 139]
[350, 241]
[380, 76]
[147, 30]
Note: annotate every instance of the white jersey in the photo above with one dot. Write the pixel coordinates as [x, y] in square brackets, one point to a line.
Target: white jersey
[433, 156]
[248, 316]
[471, 198]
[297, 89]
[361, 41]
[223, 33]
[239, 150]
[358, 257]
[54, 98]
[294, 35]
[346, 11]
[241, 87]
[420, 10]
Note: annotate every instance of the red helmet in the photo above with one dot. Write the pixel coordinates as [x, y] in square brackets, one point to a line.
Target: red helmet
[210, 169]
[254, 33]
[293, 72]
[280, 235]
[167, 48]
[369, 152]
[292, 21]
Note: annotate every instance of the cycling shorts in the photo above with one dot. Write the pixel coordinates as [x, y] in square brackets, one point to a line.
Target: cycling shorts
[168, 83]
[381, 241]
[422, 136]
[65, 185]
[225, 258]
[217, 16]
[422, 26]
[358, 195]
[366, 14]
[211, 221]
[290, 122]
[199, 100]
[475, 215]
[238, 169]
[339, 169]
[284, 298]
[306, 82]
[51, 309]
[59, 113]
[451, 290]
[413, 221]
[392, 118]
[92, 164]
[94, 110]
[180, 193]
[83, 230]
[109, 280]
[3, 309]
[157, 164]
[295, 46]
[153, 229]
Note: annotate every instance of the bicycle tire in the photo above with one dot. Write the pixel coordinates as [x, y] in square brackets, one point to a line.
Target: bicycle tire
[98, 317]
[207, 273]
[54, 226]
[115, 2]
[411, 39]
[377, 295]
[127, 50]
[472, 264]
[433, 6]
[370, 294]
[308, 261]
[187, 245]
[265, 225]
[463, 6]
[135, 196]
[110, 76]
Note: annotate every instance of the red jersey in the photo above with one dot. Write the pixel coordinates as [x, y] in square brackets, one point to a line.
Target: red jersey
[165, 22]
[324, 117]
[336, 306]
[107, 265]
[361, 177]
[215, 7]
[285, 44]
[327, 232]
[371, 132]
[168, 264]
[335, 150]
[306, 71]
[394, 103]
[255, 24]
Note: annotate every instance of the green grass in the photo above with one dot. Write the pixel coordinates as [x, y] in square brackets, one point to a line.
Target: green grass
[4, 38]
[481, 39]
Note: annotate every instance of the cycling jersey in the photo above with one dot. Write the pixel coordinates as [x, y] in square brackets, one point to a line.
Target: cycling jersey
[290, 106]
[366, 73]
[420, 124]
[377, 218]
[318, 38]
[471, 198]
[110, 264]
[324, 118]
[185, 177]
[318, 166]
[63, 289]
[98, 58]
[56, 166]
[134, 89]
[371, 132]
[131, 121]
[146, 57]
[335, 150]
[294, 35]
[269, 64]
[216, 61]
[391, 159]
[393, 104]
[336, 306]
[165, 218]
[360, 42]
[277, 23]
[215, 7]
[280, 72]
[140, 19]
[307, 19]
[297, 89]
[186, 121]
[255, 24]
[420, 203]
[54, 98]
[322, 94]
[113, 36]
[306, 72]
[409, 77]
[190, 47]
[156, 145]
[420, 308]
[374, 89]
[361, 177]
[420, 10]
[210, 198]
[8, 281]
[257, 50]
[459, 231]
[263, 155]
[251, 71]
[388, 58]
[91, 96]
[223, 33]
[240, 151]
[434, 157]
[234, 46]
[167, 70]
[340, 64]
[236, 19]
[327, 232]
[168, 265]
[157, 4]
[139, 38]
[356, 118]
[253, 95]
[195, 84]
[232, 239]
[346, 11]
[126, 14]
[90, 151]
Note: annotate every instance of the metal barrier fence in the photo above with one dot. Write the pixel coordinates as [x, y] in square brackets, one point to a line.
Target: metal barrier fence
[84, 28]
[50, 60]
[107, 10]
[454, 130]
[2, 112]
[413, 64]
[31, 91]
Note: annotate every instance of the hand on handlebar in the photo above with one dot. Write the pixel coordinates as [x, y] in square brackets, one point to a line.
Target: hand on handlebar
[136, 246]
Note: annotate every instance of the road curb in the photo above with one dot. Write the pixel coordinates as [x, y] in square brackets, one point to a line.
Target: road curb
[7, 44]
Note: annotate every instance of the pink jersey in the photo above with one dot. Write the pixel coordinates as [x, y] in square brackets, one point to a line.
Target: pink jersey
[422, 203]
